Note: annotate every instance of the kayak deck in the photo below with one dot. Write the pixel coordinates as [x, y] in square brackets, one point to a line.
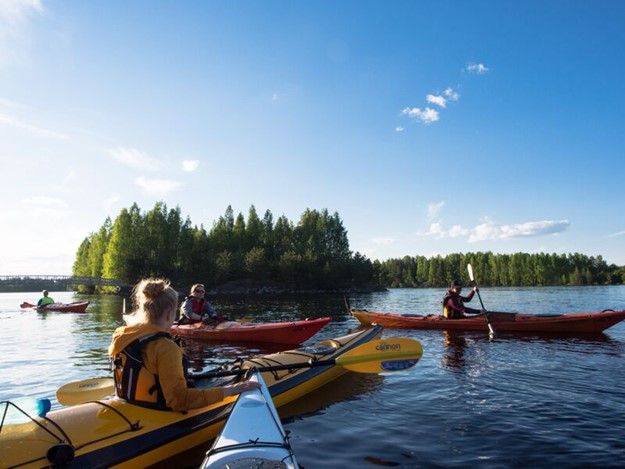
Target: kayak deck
[287, 333]
[253, 435]
[592, 322]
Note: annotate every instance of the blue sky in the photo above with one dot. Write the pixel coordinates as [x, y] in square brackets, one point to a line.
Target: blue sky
[431, 127]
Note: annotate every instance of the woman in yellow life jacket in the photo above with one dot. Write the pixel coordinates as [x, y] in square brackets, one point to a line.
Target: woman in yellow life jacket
[45, 300]
[144, 347]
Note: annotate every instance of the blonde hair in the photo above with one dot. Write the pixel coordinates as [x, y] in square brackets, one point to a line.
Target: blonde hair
[153, 298]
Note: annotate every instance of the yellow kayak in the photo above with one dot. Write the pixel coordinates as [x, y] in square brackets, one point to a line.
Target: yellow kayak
[114, 433]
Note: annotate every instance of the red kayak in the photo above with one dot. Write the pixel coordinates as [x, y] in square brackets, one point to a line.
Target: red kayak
[501, 321]
[289, 333]
[75, 307]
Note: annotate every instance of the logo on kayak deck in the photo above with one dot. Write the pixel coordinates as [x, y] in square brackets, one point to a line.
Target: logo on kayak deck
[385, 347]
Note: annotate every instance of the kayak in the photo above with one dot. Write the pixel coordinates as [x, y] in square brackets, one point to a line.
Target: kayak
[253, 435]
[289, 333]
[593, 322]
[75, 307]
[114, 433]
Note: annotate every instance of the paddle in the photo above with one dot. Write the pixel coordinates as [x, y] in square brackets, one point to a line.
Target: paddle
[348, 306]
[490, 326]
[86, 390]
[26, 305]
[376, 356]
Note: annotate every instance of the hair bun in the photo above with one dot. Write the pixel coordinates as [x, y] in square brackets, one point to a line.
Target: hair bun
[154, 288]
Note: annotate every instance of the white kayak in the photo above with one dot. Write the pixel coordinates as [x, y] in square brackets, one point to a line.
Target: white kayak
[253, 436]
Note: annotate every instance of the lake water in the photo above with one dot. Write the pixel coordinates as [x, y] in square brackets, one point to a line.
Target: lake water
[472, 401]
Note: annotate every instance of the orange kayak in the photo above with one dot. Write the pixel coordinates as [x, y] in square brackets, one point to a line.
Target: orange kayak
[289, 333]
[75, 307]
[502, 322]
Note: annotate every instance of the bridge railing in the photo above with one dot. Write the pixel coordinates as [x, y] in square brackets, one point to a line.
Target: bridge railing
[65, 280]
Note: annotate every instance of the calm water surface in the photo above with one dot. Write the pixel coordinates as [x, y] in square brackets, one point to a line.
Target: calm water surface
[511, 401]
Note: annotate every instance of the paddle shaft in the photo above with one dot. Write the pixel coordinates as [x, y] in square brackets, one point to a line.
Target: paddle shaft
[242, 371]
[477, 290]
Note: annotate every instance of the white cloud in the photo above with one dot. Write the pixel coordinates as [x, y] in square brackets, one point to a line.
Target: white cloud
[438, 100]
[456, 231]
[399, 129]
[16, 123]
[436, 229]
[44, 201]
[71, 174]
[110, 201]
[190, 165]
[490, 230]
[618, 233]
[157, 186]
[14, 12]
[427, 115]
[135, 159]
[480, 69]
[433, 209]
[451, 94]
[383, 240]
[13, 34]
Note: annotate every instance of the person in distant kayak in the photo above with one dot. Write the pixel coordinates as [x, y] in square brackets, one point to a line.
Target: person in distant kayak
[148, 365]
[195, 308]
[453, 303]
[45, 300]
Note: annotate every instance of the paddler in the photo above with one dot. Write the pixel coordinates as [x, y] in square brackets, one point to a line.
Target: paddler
[453, 303]
[45, 300]
[195, 308]
[148, 364]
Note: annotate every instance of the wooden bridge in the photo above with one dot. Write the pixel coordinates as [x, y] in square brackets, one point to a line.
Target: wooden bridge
[58, 282]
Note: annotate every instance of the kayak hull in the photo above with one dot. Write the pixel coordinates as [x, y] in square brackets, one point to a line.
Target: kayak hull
[288, 333]
[114, 433]
[75, 307]
[253, 435]
[588, 323]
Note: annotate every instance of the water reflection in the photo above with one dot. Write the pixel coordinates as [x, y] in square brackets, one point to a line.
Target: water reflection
[347, 387]
[454, 344]
[204, 354]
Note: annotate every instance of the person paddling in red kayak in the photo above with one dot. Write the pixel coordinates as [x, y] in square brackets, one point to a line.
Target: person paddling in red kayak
[148, 364]
[453, 303]
[195, 308]
[45, 300]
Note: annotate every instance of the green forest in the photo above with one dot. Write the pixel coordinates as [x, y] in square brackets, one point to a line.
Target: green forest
[310, 255]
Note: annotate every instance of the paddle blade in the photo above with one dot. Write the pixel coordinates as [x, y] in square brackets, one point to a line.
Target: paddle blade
[470, 269]
[79, 392]
[384, 355]
[27, 305]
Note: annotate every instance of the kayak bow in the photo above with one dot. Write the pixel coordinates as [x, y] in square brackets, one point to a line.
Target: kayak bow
[253, 435]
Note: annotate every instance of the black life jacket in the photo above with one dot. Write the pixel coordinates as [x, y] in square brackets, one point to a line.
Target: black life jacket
[133, 381]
